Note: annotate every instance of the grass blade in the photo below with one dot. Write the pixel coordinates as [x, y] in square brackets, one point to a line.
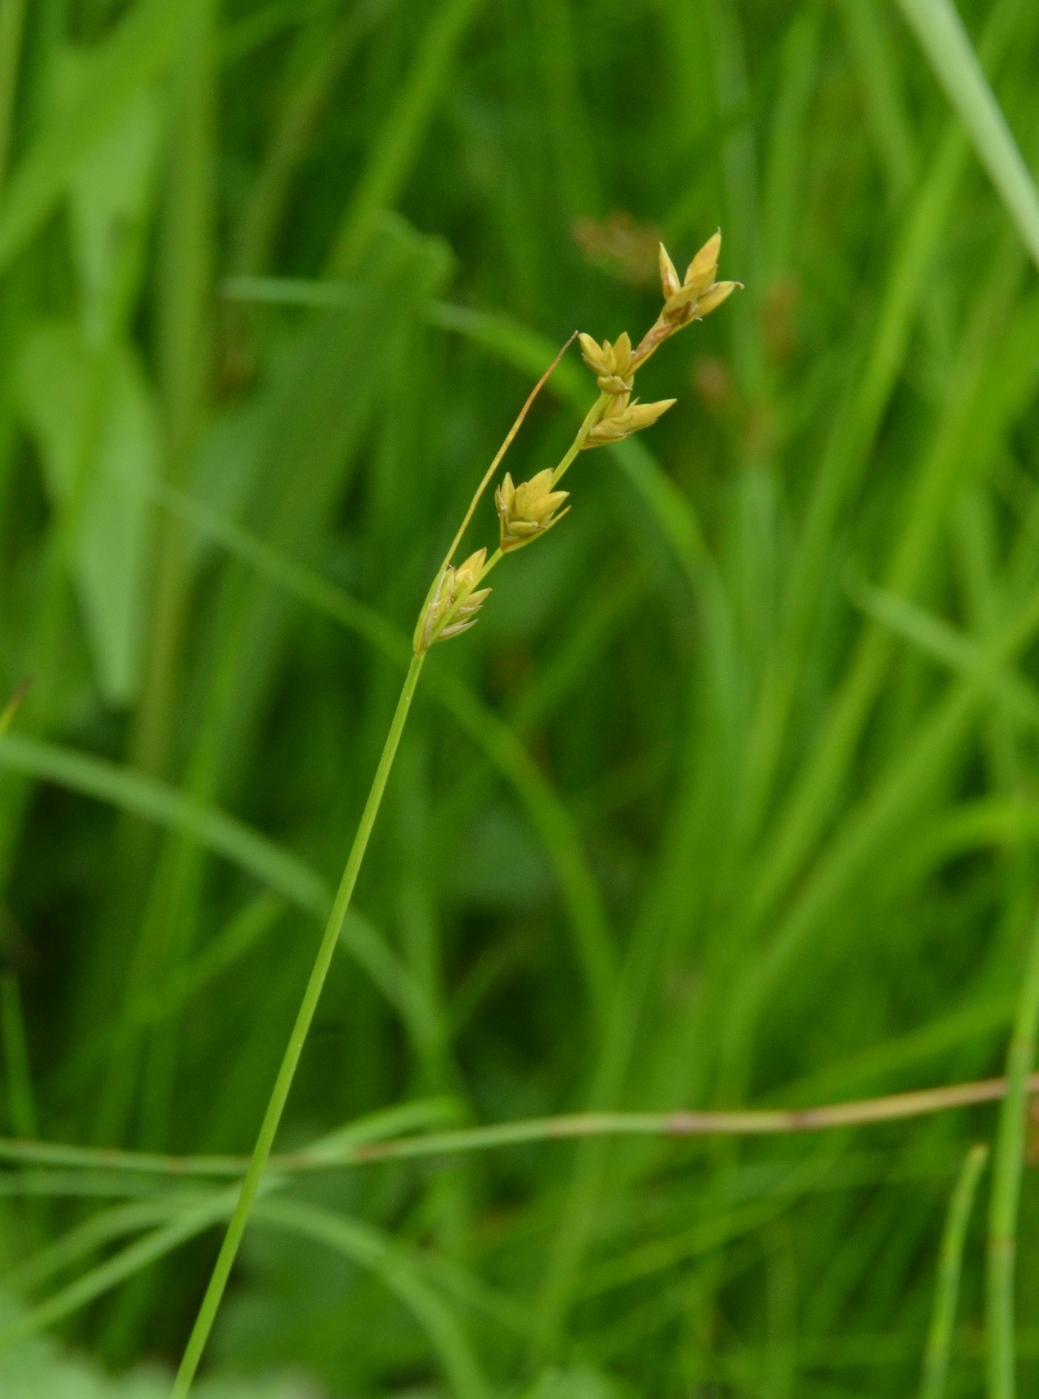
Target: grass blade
[947, 1285]
[117, 1269]
[157, 801]
[547, 813]
[940, 30]
[86, 1238]
[396, 150]
[1007, 1165]
[371, 1249]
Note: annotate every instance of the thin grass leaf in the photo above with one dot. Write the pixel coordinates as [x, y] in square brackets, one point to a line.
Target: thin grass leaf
[508, 755]
[903, 1051]
[86, 1238]
[300, 112]
[947, 1283]
[156, 801]
[892, 131]
[939, 639]
[945, 42]
[423, 1114]
[254, 921]
[1007, 1166]
[371, 1249]
[397, 147]
[123, 1265]
[880, 813]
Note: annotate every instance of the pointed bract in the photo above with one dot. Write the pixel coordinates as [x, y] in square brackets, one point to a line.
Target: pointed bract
[467, 573]
[714, 296]
[697, 296]
[593, 354]
[669, 279]
[677, 306]
[702, 270]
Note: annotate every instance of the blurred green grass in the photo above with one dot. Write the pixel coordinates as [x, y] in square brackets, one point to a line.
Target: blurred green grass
[731, 795]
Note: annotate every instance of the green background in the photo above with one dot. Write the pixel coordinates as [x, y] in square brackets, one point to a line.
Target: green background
[730, 797]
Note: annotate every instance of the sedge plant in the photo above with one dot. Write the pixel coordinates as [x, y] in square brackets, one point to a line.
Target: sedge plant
[456, 595]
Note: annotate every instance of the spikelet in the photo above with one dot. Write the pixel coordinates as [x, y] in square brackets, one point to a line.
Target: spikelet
[610, 363]
[454, 605]
[528, 510]
[696, 296]
[628, 418]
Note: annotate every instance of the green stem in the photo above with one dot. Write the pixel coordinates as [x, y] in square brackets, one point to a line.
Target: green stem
[320, 1156]
[1006, 1185]
[950, 1265]
[275, 1107]
[492, 562]
[590, 419]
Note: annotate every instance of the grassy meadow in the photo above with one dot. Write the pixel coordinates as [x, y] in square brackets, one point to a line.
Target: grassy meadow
[730, 801]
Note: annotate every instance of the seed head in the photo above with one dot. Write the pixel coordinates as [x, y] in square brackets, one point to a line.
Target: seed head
[615, 426]
[699, 293]
[528, 510]
[610, 363]
[453, 607]
[696, 296]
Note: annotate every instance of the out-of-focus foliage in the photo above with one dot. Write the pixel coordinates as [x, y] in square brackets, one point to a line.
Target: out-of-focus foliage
[730, 796]
[35, 1370]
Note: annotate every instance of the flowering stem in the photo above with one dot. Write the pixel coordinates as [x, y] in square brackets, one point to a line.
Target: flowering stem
[283, 1083]
[488, 476]
[496, 462]
[590, 419]
[492, 562]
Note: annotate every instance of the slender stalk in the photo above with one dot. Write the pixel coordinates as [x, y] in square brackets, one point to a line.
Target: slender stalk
[1006, 1185]
[751, 1123]
[510, 436]
[320, 1157]
[590, 419]
[276, 1106]
[950, 1264]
